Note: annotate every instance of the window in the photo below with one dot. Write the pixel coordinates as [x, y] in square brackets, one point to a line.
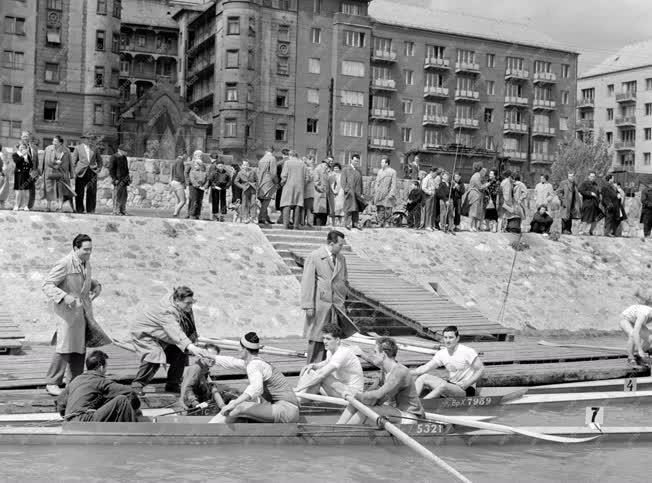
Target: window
[312, 126]
[563, 124]
[50, 110]
[542, 66]
[11, 129]
[351, 8]
[101, 7]
[232, 59]
[565, 96]
[408, 77]
[140, 40]
[99, 76]
[610, 90]
[52, 36]
[315, 35]
[491, 61]
[406, 134]
[432, 137]
[231, 92]
[13, 60]
[281, 132]
[408, 106]
[646, 159]
[282, 97]
[565, 71]
[284, 33]
[648, 84]
[233, 26]
[489, 143]
[54, 4]
[434, 109]
[115, 78]
[316, 6]
[98, 114]
[610, 137]
[354, 69]
[383, 45]
[434, 51]
[312, 95]
[115, 43]
[117, 8]
[230, 128]
[466, 56]
[15, 25]
[648, 108]
[610, 114]
[314, 65]
[491, 88]
[351, 128]
[488, 115]
[648, 133]
[124, 67]
[353, 38]
[381, 102]
[629, 87]
[251, 59]
[353, 98]
[51, 72]
[252, 27]
[99, 40]
[282, 66]
[12, 94]
[408, 49]
[511, 145]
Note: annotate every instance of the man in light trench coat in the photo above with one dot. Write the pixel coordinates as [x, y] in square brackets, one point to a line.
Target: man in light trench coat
[324, 287]
[71, 289]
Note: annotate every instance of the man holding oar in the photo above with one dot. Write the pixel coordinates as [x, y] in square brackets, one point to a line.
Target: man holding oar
[634, 322]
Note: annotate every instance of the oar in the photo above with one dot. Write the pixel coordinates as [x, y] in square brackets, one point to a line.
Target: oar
[405, 439]
[433, 344]
[409, 348]
[234, 344]
[582, 346]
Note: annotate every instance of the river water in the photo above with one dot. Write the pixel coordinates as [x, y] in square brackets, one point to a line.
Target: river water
[604, 462]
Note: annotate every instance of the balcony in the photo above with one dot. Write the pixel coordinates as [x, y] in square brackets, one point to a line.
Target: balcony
[430, 146]
[466, 123]
[544, 78]
[543, 105]
[381, 144]
[516, 101]
[440, 63]
[382, 114]
[435, 91]
[383, 56]
[464, 95]
[514, 128]
[515, 154]
[584, 125]
[624, 145]
[542, 158]
[543, 131]
[383, 84]
[626, 121]
[467, 67]
[516, 74]
[586, 103]
[435, 120]
[626, 97]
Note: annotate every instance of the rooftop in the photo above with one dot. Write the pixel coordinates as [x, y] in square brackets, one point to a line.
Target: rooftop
[631, 56]
[156, 13]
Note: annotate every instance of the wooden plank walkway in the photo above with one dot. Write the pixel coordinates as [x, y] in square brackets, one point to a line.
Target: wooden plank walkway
[11, 334]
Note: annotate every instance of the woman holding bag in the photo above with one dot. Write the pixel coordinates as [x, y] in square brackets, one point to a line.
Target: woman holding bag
[57, 173]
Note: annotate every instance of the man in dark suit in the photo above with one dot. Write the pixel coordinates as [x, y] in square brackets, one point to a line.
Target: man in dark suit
[352, 186]
[37, 169]
[119, 172]
[88, 164]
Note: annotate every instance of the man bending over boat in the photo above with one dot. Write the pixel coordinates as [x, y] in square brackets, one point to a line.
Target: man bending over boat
[279, 405]
[634, 322]
[196, 390]
[462, 363]
[93, 397]
[397, 396]
[341, 371]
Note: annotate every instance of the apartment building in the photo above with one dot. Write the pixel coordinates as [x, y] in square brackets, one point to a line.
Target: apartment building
[615, 98]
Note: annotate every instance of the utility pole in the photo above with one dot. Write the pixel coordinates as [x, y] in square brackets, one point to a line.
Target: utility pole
[329, 137]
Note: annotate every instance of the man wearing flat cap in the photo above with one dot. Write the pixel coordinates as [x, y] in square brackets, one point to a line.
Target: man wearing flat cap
[119, 172]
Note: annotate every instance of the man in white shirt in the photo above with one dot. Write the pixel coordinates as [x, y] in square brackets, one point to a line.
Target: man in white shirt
[463, 365]
[341, 371]
[634, 322]
[544, 192]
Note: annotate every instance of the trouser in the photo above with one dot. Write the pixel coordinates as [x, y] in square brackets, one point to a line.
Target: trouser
[32, 195]
[196, 198]
[177, 361]
[414, 216]
[297, 215]
[611, 221]
[316, 352]
[120, 198]
[120, 409]
[218, 201]
[384, 214]
[248, 204]
[429, 202]
[263, 215]
[351, 218]
[647, 226]
[321, 219]
[88, 183]
[567, 225]
[308, 204]
[457, 217]
[436, 211]
[60, 362]
[446, 215]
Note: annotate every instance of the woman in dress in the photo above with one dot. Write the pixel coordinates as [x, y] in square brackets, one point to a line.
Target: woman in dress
[22, 179]
[57, 173]
[491, 199]
[520, 197]
[178, 183]
[6, 176]
[475, 197]
[336, 195]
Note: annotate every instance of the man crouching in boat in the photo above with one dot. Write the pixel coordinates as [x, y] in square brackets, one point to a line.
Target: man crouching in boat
[266, 381]
[196, 390]
[463, 365]
[93, 397]
[341, 371]
[396, 397]
[634, 322]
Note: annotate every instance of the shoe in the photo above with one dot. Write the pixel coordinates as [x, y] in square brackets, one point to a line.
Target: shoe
[26, 209]
[15, 208]
[53, 389]
[566, 232]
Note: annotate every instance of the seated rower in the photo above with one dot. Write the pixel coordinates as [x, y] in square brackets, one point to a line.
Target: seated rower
[396, 397]
[93, 397]
[196, 390]
[463, 365]
[341, 371]
[634, 323]
[280, 404]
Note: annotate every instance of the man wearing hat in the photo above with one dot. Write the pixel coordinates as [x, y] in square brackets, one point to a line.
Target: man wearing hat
[119, 172]
[87, 164]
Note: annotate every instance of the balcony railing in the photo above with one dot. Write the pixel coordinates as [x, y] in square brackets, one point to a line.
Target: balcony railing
[383, 55]
[515, 101]
[629, 96]
[544, 77]
[437, 63]
[430, 146]
[626, 121]
[378, 113]
[466, 95]
[381, 143]
[384, 84]
[544, 104]
[584, 124]
[470, 67]
[543, 131]
[514, 128]
[515, 154]
[435, 119]
[542, 157]
[624, 145]
[511, 73]
[435, 91]
[586, 102]
[465, 122]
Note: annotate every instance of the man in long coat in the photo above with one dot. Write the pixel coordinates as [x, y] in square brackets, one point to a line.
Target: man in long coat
[612, 208]
[385, 192]
[591, 212]
[267, 182]
[87, 163]
[324, 287]
[646, 210]
[322, 187]
[293, 179]
[37, 167]
[120, 179]
[309, 192]
[71, 289]
[352, 186]
[571, 203]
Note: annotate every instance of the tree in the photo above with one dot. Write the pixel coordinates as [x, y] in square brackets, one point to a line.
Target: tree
[581, 158]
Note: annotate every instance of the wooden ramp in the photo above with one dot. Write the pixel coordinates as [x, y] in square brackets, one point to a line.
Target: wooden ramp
[11, 335]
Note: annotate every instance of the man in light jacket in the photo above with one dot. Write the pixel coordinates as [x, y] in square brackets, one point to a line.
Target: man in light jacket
[293, 179]
[87, 165]
[267, 183]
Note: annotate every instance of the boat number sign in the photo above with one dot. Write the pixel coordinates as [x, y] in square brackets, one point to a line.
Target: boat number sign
[466, 402]
[630, 385]
[594, 415]
[429, 428]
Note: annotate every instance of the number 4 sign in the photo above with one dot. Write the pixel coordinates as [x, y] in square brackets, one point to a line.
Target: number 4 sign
[630, 385]
[594, 416]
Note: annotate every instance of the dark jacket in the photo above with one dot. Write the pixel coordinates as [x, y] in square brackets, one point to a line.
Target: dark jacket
[444, 191]
[194, 388]
[458, 191]
[119, 168]
[541, 223]
[415, 198]
[218, 178]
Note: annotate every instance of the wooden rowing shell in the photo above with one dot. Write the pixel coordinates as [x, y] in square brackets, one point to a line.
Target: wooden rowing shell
[479, 401]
